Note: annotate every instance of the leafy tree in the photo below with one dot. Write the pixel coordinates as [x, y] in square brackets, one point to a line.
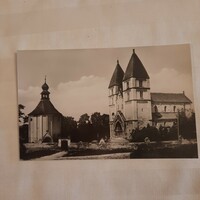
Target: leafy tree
[91, 128]
[97, 123]
[106, 126]
[21, 115]
[84, 119]
[68, 127]
[23, 127]
[100, 124]
[187, 125]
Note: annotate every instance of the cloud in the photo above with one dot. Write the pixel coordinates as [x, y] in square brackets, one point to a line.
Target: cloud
[86, 95]
[90, 93]
[170, 80]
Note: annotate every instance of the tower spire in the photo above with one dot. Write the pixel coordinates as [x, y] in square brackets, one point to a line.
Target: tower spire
[45, 93]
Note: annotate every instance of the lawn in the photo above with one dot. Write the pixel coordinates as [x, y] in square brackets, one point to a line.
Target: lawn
[172, 149]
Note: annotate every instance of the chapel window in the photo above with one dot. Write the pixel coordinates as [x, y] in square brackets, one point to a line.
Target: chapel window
[128, 96]
[127, 84]
[156, 108]
[140, 83]
[141, 94]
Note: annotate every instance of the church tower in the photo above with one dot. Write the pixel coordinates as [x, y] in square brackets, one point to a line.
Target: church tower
[136, 93]
[45, 122]
[116, 104]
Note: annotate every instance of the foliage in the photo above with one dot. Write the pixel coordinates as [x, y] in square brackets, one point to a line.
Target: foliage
[23, 127]
[92, 127]
[187, 125]
[21, 115]
[163, 134]
[84, 119]
[69, 125]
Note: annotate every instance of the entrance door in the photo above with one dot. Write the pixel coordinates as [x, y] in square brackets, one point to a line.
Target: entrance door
[118, 129]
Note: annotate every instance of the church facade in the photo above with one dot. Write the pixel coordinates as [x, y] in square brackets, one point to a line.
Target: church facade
[45, 122]
[132, 105]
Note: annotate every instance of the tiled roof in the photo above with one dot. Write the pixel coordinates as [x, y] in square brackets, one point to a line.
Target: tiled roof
[166, 116]
[135, 68]
[45, 107]
[170, 98]
[117, 76]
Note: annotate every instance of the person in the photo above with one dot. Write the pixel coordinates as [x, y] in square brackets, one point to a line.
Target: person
[102, 143]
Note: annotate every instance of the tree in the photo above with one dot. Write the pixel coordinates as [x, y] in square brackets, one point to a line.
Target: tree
[100, 124]
[85, 128]
[69, 126]
[21, 114]
[23, 127]
[84, 119]
[97, 123]
[187, 125]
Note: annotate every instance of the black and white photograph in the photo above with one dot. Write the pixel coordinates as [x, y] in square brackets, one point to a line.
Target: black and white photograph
[119, 103]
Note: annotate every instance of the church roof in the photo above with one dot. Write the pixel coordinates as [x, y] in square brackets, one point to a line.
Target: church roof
[117, 76]
[170, 98]
[45, 107]
[135, 68]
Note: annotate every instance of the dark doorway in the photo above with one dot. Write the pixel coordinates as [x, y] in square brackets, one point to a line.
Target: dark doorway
[118, 129]
[47, 139]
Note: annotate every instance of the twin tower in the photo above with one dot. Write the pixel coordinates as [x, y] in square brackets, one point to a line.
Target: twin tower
[129, 98]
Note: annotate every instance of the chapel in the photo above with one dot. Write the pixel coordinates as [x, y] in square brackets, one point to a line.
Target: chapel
[45, 122]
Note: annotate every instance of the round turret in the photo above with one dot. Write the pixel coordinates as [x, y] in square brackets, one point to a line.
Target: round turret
[45, 86]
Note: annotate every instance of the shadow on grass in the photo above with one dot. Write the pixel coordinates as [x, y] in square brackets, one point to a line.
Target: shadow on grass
[179, 151]
[38, 153]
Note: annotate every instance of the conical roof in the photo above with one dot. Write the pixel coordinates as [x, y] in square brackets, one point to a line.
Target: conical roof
[117, 76]
[135, 68]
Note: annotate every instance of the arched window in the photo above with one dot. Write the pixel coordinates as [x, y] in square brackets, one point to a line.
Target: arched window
[155, 108]
[140, 83]
[174, 108]
[127, 85]
[128, 96]
[141, 94]
[165, 108]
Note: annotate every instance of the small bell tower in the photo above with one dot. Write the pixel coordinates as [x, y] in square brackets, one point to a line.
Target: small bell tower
[45, 93]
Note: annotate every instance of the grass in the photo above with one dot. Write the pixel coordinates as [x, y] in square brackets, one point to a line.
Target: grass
[38, 150]
[152, 150]
[178, 151]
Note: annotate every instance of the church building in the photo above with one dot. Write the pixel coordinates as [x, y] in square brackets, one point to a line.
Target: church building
[132, 105]
[45, 122]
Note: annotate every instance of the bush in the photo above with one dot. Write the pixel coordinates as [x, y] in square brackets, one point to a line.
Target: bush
[163, 134]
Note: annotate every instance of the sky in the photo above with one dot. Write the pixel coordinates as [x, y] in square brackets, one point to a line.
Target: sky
[78, 79]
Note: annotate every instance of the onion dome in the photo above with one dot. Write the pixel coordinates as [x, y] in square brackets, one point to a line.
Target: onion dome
[45, 86]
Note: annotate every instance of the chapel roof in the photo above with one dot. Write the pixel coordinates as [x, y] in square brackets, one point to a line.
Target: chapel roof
[135, 68]
[45, 107]
[169, 98]
[117, 76]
